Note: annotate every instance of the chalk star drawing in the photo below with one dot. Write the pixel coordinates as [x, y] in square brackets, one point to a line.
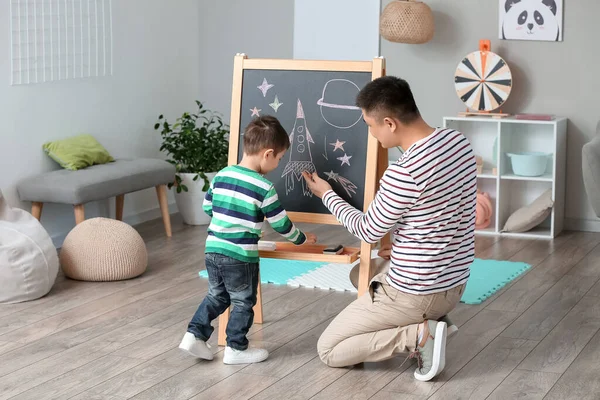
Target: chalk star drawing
[300, 155]
[276, 104]
[264, 87]
[337, 115]
[255, 112]
[338, 145]
[332, 175]
[345, 159]
[348, 186]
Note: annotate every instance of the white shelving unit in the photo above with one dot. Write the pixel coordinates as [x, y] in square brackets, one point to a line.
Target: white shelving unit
[508, 191]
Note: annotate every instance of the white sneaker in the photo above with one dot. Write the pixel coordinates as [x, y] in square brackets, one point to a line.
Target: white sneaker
[248, 356]
[452, 329]
[195, 347]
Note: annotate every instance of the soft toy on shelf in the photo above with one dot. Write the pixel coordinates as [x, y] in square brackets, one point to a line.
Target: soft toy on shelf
[483, 210]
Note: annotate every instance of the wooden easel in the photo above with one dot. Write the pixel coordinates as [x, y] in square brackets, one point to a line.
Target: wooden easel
[376, 164]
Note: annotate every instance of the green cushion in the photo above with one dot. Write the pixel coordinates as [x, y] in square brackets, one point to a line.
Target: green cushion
[77, 152]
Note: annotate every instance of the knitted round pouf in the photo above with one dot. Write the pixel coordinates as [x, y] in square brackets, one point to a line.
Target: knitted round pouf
[102, 249]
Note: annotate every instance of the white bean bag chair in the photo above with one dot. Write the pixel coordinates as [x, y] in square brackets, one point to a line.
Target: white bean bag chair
[28, 258]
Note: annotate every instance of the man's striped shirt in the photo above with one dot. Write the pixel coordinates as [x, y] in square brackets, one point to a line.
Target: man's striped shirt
[238, 201]
[429, 196]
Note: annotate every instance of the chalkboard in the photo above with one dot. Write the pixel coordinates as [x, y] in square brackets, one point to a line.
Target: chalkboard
[317, 108]
[327, 132]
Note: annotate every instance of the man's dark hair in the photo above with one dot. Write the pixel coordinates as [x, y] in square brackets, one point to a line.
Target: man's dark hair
[263, 133]
[389, 96]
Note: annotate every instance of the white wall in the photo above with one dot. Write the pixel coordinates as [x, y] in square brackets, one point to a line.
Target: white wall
[549, 77]
[156, 70]
[336, 29]
[259, 28]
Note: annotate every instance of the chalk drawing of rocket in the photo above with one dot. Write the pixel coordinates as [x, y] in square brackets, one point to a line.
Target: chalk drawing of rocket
[300, 155]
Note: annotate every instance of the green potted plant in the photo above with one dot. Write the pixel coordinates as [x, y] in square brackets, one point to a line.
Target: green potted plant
[197, 145]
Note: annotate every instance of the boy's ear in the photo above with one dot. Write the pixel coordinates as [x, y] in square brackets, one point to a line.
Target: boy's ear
[269, 152]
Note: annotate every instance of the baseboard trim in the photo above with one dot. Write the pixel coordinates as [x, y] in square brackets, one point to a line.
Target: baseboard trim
[132, 220]
[584, 225]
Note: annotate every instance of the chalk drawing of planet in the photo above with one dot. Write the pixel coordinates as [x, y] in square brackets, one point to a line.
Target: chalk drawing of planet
[337, 103]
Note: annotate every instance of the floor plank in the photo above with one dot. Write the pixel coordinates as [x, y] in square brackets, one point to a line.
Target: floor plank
[290, 356]
[528, 385]
[304, 382]
[238, 387]
[479, 378]
[580, 380]
[10, 323]
[64, 362]
[146, 375]
[364, 380]
[550, 309]
[558, 350]
[385, 395]
[191, 381]
[80, 379]
[305, 319]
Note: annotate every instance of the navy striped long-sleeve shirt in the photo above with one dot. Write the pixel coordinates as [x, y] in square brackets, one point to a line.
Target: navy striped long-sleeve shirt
[428, 197]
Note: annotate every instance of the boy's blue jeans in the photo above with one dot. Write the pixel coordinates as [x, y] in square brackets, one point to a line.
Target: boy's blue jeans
[230, 281]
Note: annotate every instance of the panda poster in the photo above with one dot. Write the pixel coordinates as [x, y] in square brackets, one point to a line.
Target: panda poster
[531, 20]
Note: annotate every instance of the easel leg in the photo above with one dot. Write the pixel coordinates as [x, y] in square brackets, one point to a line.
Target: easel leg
[364, 274]
[258, 311]
[222, 336]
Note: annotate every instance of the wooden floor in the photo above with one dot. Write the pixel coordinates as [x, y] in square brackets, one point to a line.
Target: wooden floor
[537, 338]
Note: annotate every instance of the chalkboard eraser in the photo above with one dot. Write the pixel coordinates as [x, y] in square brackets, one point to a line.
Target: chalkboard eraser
[334, 250]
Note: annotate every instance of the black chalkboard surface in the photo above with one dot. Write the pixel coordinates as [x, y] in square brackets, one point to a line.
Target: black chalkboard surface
[327, 132]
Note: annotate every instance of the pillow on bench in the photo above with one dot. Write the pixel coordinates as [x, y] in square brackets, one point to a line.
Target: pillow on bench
[77, 152]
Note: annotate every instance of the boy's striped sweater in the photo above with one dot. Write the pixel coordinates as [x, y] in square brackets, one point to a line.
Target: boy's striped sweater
[238, 200]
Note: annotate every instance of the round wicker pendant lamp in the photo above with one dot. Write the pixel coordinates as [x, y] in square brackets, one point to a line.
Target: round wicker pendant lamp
[407, 21]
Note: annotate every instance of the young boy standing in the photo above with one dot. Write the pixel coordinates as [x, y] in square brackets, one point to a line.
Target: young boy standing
[428, 197]
[238, 200]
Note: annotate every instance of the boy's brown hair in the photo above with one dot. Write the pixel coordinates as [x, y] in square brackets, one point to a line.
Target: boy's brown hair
[265, 133]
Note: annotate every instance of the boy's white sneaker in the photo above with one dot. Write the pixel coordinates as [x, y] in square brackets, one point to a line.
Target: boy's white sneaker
[195, 347]
[248, 356]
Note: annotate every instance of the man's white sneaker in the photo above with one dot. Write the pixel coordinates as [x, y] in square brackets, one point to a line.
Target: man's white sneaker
[195, 347]
[248, 356]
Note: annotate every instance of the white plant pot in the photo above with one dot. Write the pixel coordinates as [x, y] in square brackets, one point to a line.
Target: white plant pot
[190, 203]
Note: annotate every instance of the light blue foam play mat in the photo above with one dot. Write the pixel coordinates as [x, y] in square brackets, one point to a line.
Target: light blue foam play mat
[487, 276]
[281, 271]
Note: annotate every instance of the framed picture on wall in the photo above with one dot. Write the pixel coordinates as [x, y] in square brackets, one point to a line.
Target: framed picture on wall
[531, 20]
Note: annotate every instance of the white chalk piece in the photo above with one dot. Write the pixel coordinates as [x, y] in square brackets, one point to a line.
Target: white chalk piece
[266, 245]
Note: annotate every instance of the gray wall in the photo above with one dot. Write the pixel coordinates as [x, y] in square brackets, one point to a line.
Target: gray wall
[260, 28]
[155, 71]
[559, 78]
[346, 29]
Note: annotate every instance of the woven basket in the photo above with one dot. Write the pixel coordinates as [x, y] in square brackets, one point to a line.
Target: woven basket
[101, 249]
[407, 22]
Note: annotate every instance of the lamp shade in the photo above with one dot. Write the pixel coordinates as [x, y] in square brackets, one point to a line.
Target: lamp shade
[407, 21]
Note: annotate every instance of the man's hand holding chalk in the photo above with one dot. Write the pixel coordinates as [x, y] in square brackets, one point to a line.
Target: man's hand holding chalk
[316, 185]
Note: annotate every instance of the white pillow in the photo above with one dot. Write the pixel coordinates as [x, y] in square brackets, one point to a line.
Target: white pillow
[528, 217]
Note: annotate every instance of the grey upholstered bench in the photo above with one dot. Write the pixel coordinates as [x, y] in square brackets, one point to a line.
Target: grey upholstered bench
[99, 182]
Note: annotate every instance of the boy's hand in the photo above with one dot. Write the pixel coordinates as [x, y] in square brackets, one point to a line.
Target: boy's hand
[316, 185]
[385, 251]
[311, 238]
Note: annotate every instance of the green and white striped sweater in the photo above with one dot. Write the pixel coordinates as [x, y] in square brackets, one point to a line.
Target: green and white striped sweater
[238, 200]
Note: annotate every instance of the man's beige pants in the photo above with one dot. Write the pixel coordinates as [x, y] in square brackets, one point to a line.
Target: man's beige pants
[381, 323]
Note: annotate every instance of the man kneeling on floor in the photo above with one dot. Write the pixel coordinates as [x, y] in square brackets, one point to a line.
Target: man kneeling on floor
[429, 197]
